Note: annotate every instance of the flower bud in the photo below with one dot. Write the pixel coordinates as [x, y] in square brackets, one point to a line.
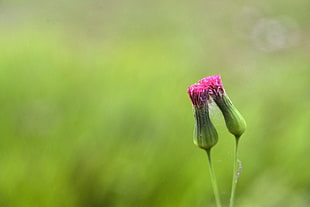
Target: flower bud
[235, 123]
[234, 120]
[205, 134]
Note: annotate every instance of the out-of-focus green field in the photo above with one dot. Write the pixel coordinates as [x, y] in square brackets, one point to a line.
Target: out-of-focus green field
[94, 108]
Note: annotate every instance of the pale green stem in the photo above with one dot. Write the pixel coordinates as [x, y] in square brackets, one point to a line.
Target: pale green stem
[213, 180]
[235, 177]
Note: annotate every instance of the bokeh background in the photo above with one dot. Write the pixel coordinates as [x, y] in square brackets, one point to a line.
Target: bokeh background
[94, 110]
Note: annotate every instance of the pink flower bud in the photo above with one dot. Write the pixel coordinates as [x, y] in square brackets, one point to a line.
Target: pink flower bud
[205, 135]
[198, 94]
[234, 120]
[214, 85]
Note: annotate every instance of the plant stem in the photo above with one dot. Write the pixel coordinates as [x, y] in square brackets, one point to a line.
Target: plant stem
[213, 180]
[235, 176]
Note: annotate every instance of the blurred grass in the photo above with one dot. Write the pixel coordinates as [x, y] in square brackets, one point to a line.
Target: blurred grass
[94, 110]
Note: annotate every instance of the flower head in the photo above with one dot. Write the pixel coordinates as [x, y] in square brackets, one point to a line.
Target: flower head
[198, 95]
[234, 120]
[214, 85]
[205, 135]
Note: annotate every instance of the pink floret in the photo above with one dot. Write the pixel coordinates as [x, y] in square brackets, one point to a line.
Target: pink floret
[213, 84]
[198, 94]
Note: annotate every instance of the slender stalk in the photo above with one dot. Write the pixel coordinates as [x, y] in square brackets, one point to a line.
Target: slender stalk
[213, 180]
[235, 175]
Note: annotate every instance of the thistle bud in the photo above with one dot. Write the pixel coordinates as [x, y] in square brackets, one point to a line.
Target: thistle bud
[234, 120]
[235, 123]
[205, 134]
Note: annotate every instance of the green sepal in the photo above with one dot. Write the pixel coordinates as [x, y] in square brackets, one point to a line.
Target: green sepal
[235, 122]
[205, 134]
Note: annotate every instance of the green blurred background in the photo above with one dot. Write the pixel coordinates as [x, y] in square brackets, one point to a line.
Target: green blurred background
[94, 110]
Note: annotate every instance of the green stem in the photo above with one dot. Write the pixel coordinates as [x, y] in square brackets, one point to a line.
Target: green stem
[235, 178]
[213, 180]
